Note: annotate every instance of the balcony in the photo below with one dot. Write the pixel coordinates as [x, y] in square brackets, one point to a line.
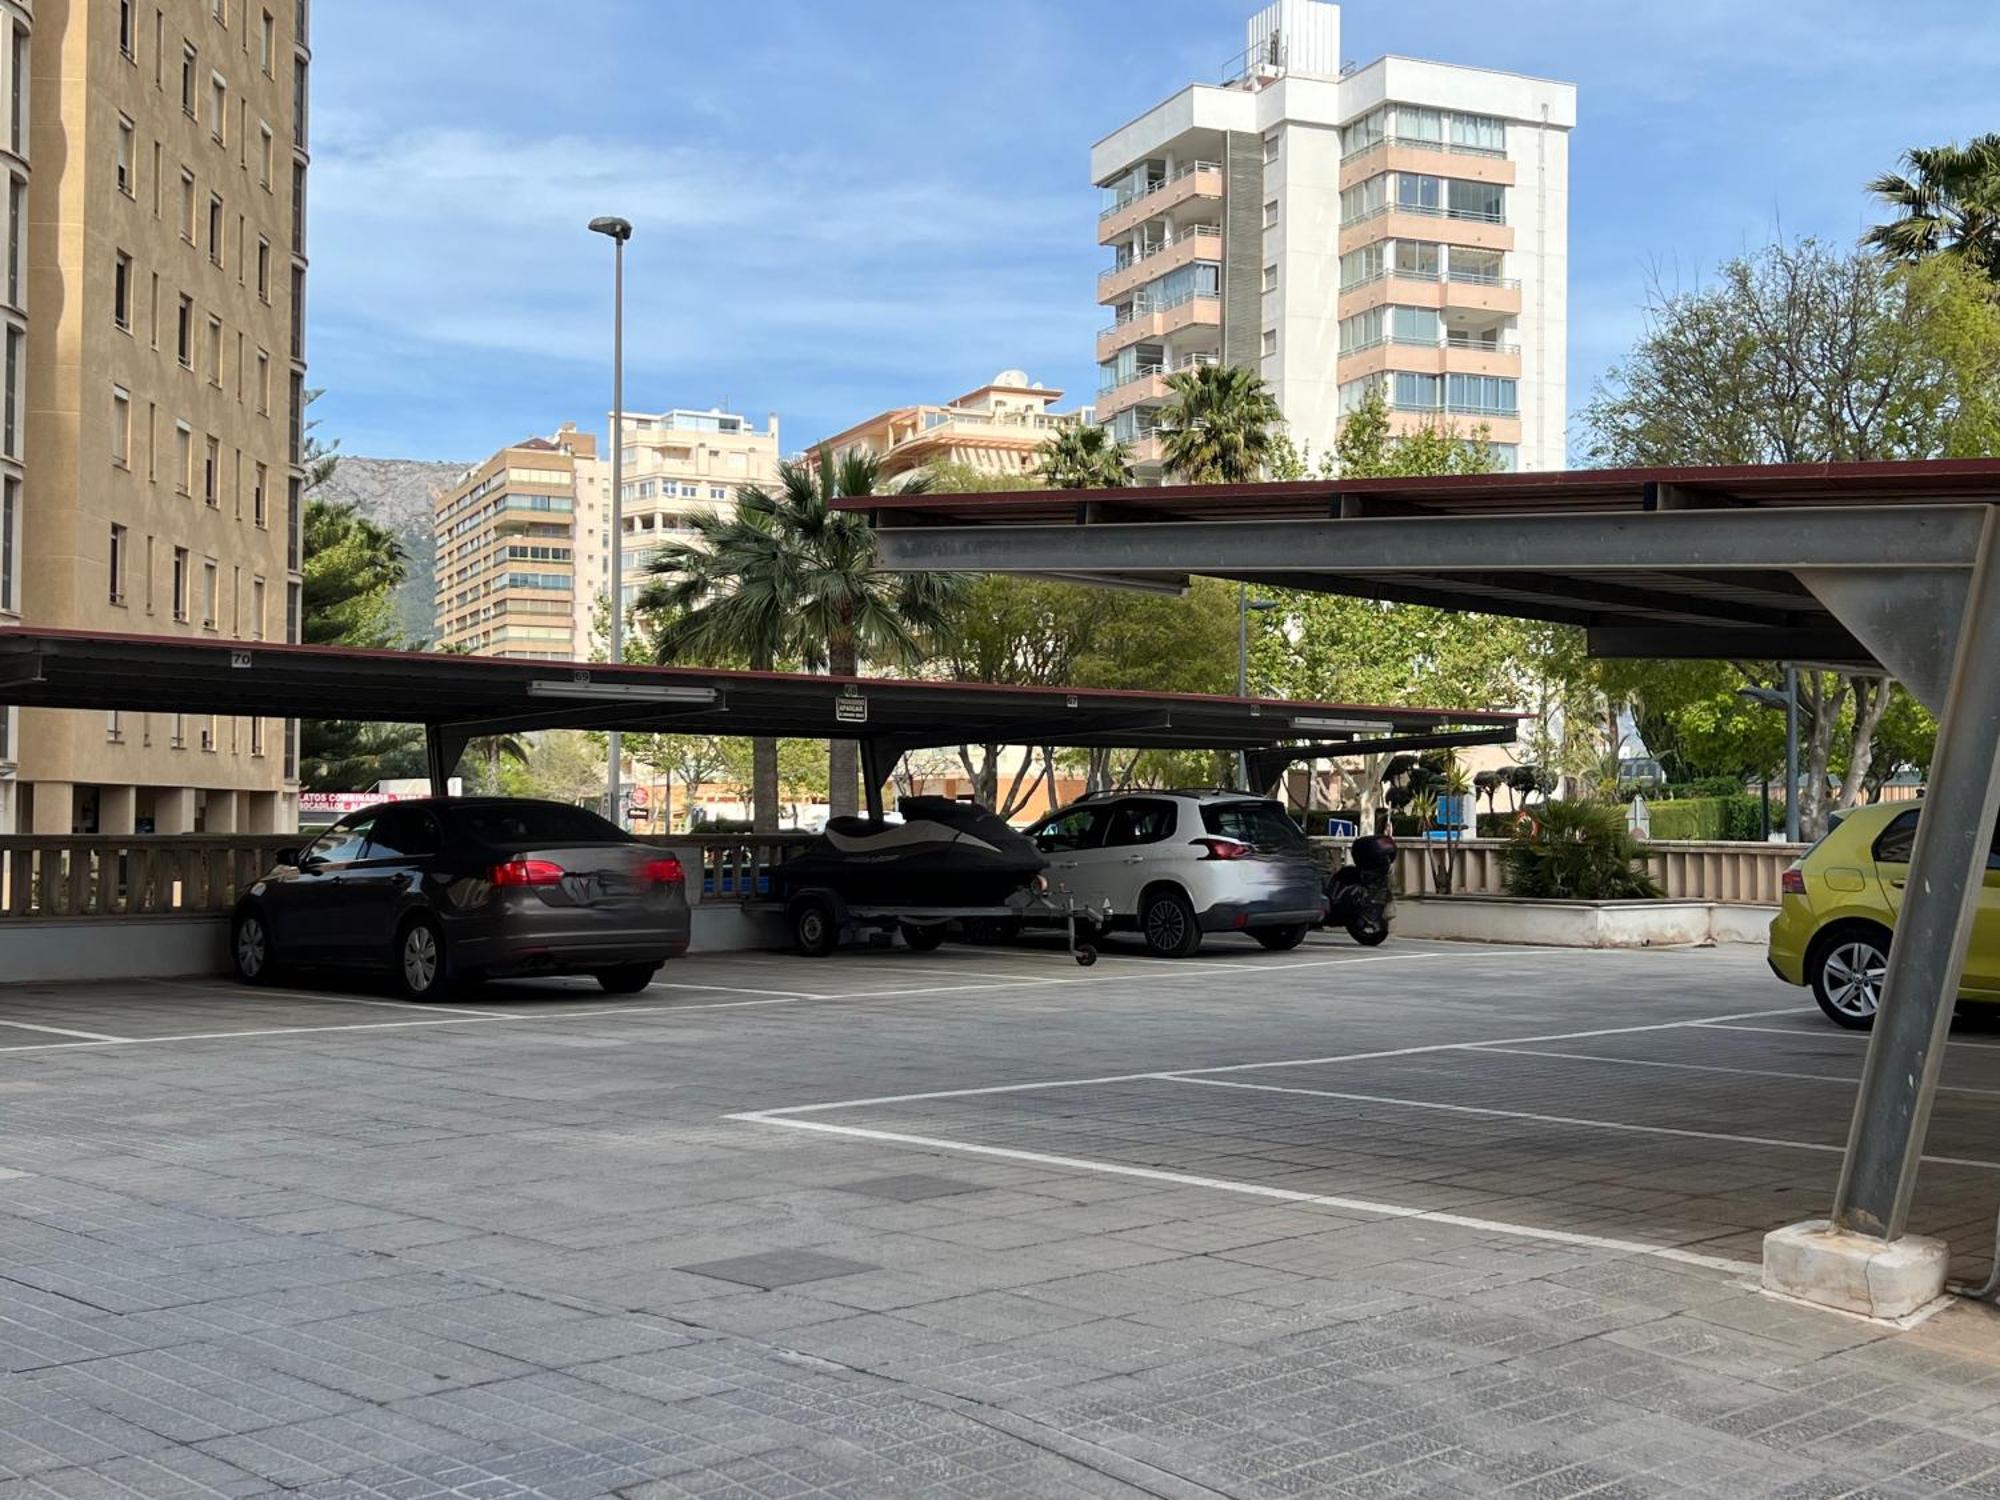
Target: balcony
[1456, 353]
[1197, 179]
[1432, 158]
[1196, 242]
[1148, 384]
[1474, 230]
[1458, 291]
[1500, 427]
[1157, 320]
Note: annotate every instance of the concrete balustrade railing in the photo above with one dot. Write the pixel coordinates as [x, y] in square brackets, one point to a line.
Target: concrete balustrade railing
[1686, 870]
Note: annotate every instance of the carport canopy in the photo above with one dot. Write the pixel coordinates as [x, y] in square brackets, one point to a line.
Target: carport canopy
[1891, 566]
[461, 698]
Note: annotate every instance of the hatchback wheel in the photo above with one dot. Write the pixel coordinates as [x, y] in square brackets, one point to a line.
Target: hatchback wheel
[1847, 969]
[250, 949]
[1167, 922]
[420, 960]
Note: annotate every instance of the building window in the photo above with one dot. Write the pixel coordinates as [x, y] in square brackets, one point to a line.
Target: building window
[180, 603]
[215, 352]
[190, 60]
[17, 99]
[1270, 346]
[10, 416]
[128, 141]
[118, 549]
[177, 737]
[298, 208]
[1270, 213]
[215, 236]
[183, 459]
[266, 147]
[128, 22]
[263, 270]
[257, 738]
[267, 43]
[263, 383]
[184, 333]
[220, 10]
[10, 543]
[1270, 148]
[17, 235]
[1270, 278]
[218, 107]
[210, 593]
[121, 427]
[256, 609]
[211, 474]
[258, 511]
[121, 292]
[188, 220]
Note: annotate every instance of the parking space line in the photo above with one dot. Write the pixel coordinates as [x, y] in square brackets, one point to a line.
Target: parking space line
[1298, 1062]
[1648, 1062]
[1569, 1120]
[1834, 1032]
[95, 1036]
[330, 997]
[1260, 1190]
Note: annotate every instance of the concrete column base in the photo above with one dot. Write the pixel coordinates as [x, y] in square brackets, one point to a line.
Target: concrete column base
[1855, 1273]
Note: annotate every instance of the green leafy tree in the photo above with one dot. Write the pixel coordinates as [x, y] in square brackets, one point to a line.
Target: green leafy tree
[1803, 354]
[1083, 456]
[1947, 202]
[350, 568]
[787, 576]
[1220, 425]
[1365, 448]
[562, 765]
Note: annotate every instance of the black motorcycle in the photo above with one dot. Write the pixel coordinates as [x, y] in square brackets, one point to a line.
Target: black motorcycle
[1360, 893]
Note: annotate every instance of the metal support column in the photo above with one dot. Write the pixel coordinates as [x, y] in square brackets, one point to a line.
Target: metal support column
[1947, 869]
[1791, 753]
[444, 747]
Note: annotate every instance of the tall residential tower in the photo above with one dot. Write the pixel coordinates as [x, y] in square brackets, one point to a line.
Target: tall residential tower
[1401, 226]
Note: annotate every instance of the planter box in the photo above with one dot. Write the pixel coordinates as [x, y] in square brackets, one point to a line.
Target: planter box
[1579, 924]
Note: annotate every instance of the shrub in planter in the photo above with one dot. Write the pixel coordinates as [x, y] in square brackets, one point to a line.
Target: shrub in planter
[1576, 851]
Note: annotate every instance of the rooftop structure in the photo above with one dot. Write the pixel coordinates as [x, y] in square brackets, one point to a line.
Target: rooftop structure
[995, 429]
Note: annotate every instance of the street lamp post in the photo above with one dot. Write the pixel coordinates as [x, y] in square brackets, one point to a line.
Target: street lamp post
[1244, 604]
[619, 231]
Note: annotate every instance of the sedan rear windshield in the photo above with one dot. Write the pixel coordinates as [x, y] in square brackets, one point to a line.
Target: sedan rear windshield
[1264, 826]
[542, 823]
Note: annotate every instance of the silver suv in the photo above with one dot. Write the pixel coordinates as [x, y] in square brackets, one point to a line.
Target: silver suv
[1175, 865]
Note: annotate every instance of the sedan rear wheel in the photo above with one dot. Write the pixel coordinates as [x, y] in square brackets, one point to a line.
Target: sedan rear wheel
[626, 979]
[250, 949]
[1847, 973]
[420, 960]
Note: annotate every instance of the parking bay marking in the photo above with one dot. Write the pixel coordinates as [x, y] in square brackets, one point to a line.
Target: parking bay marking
[1649, 1062]
[95, 1036]
[1716, 1023]
[1568, 1120]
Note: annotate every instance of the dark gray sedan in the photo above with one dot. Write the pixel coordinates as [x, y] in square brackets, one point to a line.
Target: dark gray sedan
[448, 891]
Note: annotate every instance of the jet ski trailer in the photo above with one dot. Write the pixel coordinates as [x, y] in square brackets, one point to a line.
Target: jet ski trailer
[947, 862]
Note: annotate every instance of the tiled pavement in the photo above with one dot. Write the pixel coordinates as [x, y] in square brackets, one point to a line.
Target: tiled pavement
[354, 1248]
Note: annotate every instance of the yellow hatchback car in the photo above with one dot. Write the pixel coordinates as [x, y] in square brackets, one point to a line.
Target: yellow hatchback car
[1839, 910]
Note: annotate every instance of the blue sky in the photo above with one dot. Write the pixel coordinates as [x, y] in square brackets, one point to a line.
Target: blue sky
[844, 205]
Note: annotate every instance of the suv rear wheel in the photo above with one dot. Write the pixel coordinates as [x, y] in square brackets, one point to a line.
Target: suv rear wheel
[1167, 922]
[1846, 967]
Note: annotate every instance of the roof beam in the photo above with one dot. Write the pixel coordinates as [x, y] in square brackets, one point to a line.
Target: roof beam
[1828, 643]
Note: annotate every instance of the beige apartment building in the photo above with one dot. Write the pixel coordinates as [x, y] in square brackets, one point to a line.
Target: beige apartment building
[514, 549]
[679, 464]
[995, 429]
[1397, 228]
[154, 385]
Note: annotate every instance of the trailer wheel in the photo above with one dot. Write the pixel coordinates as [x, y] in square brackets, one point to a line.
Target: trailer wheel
[1085, 955]
[815, 931]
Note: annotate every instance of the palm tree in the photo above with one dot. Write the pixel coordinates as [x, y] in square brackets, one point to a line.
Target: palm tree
[1947, 200]
[788, 577]
[1083, 456]
[1220, 426]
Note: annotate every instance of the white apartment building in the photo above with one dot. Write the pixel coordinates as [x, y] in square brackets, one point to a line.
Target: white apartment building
[1400, 226]
[678, 464]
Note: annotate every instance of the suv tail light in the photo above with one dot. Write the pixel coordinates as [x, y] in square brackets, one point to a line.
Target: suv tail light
[1793, 882]
[1225, 848]
[664, 871]
[527, 872]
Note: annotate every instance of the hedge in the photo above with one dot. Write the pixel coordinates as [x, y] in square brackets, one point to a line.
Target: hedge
[1738, 817]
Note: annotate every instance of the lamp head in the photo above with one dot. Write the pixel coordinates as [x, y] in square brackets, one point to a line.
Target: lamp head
[619, 229]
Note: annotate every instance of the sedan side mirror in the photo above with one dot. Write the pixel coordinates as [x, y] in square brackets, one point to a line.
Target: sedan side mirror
[285, 856]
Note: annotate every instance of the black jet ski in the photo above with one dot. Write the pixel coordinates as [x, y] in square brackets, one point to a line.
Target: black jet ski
[943, 854]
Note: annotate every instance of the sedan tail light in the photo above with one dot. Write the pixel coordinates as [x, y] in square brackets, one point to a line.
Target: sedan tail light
[527, 872]
[664, 871]
[1793, 882]
[1225, 848]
